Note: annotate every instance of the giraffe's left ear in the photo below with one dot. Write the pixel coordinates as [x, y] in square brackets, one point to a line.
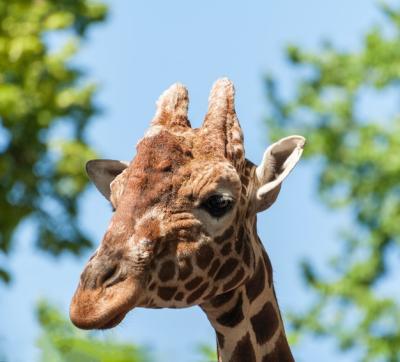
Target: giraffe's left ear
[103, 172]
[279, 159]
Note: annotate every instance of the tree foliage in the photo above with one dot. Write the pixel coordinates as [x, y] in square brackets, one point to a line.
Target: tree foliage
[207, 353]
[61, 342]
[359, 152]
[40, 89]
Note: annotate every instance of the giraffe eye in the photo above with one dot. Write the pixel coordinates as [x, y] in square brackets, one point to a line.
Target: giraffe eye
[218, 205]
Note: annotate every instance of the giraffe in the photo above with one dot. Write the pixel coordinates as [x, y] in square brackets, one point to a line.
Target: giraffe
[184, 232]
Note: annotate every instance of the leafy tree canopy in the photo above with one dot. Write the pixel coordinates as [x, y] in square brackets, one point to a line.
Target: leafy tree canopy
[61, 342]
[40, 178]
[359, 152]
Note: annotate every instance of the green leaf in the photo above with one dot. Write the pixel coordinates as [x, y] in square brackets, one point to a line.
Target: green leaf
[60, 341]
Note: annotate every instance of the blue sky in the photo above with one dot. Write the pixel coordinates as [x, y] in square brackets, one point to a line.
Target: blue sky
[140, 51]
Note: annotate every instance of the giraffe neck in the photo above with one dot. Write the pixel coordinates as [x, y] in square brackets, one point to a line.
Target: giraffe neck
[247, 320]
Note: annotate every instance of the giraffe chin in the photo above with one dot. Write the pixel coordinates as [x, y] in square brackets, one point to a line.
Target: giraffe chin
[113, 322]
[103, 308]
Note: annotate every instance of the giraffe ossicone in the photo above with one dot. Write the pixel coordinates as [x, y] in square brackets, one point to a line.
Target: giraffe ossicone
[184, 231]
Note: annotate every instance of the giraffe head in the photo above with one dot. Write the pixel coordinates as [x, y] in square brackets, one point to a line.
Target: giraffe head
[175, 239]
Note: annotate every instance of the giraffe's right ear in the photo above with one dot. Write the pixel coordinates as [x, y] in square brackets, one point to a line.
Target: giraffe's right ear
[103, 172]
[279, 159]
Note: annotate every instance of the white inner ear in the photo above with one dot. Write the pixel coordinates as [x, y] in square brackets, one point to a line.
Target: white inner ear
[278, 160]
[117, 187]
[103, 172]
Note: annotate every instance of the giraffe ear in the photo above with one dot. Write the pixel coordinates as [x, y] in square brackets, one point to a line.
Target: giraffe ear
[103, 172]
[278, 160]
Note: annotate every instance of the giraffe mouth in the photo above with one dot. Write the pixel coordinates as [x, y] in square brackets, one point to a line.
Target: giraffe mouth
[103, 308]
[113, 322]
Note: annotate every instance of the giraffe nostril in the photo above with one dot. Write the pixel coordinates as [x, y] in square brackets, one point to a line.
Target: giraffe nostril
[110, 276]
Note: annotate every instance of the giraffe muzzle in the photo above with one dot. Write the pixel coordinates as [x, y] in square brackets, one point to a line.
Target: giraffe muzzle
[104, 307]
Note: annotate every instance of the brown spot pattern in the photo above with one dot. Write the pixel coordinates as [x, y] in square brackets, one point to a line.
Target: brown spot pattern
[268, 266]
[225, 235]
[220, 339]
[227, 268]
[191, 284]
[244, 351]
[234, 316]
[265, 323]
[166, 293]
[256, 284]
[214, 266]
[197, 293]
[185, 269]
[246, 251]
[179, 296]
[167, 271]
[211, 294]
[245, 181]
[221, 299]
[235, 280]
[280, 353]
[204, 256]
[226, 249]
[239, 154]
